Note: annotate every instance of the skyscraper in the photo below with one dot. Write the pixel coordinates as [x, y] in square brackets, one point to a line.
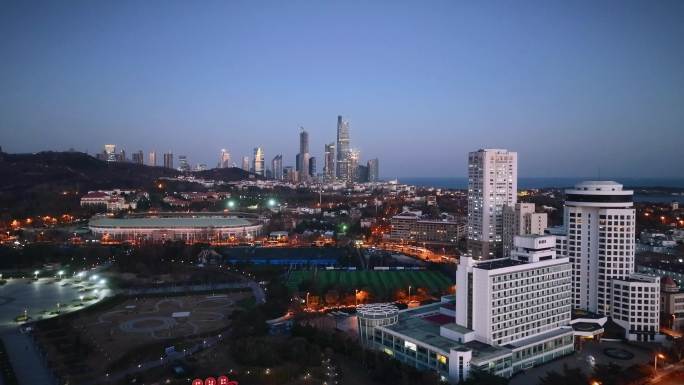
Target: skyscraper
[600, 221]
[492, 184]
[303, 156]
[329, 161]
[224, 159]
[259, 161]
[353, 157]
[137, 157]
[152, 159]
[245, 163]
[342, 171]
[312, 167]
[277, 167]
[362, 173]
[110, 152]
[183, 164]
[373, 170]
[168, 160]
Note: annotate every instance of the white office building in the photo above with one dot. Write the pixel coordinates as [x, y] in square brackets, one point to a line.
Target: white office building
[492, 185]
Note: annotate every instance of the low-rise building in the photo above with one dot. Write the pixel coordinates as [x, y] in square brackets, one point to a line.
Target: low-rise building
[671, 304]
[412, 227]
[114, 200]
[636, 306]
[521, 219]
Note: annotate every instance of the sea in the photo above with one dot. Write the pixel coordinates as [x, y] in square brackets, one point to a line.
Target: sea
[540, 182]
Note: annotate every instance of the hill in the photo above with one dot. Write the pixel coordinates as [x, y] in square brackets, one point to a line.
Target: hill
[30, 182]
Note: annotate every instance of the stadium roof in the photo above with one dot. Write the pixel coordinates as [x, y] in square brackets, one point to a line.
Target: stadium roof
[179, 222]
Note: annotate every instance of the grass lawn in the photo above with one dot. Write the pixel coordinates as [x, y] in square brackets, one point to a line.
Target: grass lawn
[381, 282]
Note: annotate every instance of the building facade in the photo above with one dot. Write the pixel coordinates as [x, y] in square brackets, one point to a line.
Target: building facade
[196, 229]
[492, 185]
[509, 300]
[224, 159]
[671, 304]
[373, 170]
[342, 171]
[521, 219]
[303, 156]
[410, 227]
[138, 157]
[329, 161]
[245, 163]
[600, 222]
[168, 160]
[258, 162]
[183, 164]
[277, 167]
[152, 159]
[510, 315]
[636, 306]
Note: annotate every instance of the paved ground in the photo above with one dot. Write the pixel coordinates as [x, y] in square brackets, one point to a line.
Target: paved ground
[18, 295]
[592, 352]
[26, 361]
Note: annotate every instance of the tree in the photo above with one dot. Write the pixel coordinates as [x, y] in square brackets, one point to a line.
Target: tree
[569, 376]
[608, 374]
[479, 377]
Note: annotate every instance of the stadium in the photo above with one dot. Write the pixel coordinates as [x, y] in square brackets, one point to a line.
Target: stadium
[192, 228]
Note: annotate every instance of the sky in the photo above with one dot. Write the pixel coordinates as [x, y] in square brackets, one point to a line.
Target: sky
[572, 86]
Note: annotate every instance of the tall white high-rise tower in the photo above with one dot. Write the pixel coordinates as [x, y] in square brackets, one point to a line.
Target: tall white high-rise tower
[492, 184]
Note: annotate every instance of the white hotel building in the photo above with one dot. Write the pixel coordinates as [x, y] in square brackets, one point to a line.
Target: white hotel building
[599, 239]
[508, 315]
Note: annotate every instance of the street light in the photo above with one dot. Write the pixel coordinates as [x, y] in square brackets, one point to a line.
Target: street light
[356, 297]
[60, 274]
[655, 361]
[409, 293]
[35, 274]
[271, 202]
[307, 300]
[231, 204]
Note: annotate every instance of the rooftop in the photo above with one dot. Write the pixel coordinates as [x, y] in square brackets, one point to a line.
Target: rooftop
[498, 264]
[417, 325]
[179, 222]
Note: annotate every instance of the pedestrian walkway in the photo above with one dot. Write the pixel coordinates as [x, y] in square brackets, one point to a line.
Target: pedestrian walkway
[27, 361]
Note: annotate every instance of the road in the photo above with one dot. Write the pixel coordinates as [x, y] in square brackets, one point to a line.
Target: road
[662, 377]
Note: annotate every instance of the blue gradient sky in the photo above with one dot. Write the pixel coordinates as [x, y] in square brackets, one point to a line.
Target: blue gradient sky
[572, 86]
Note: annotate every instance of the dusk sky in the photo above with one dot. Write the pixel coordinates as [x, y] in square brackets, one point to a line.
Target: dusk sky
[571, 86]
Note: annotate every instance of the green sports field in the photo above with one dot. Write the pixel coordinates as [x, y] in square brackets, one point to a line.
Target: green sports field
[380, 282]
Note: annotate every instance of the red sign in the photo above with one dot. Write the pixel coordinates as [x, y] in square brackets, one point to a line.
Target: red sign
[222, 380]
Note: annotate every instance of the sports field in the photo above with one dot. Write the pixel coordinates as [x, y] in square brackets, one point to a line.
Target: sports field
[380, 282]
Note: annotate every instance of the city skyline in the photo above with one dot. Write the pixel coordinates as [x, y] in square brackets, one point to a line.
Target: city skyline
[576, 88]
